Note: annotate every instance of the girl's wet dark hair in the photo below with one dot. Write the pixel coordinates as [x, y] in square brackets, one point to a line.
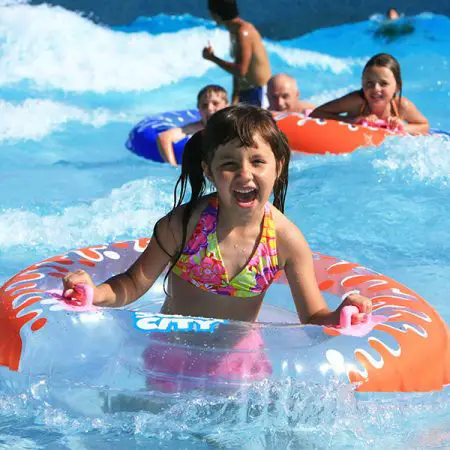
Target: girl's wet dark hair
[225, 9]
[388, 61]
[238, 122]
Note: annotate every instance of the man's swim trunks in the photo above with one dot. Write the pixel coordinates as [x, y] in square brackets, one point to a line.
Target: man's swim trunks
[255, 96]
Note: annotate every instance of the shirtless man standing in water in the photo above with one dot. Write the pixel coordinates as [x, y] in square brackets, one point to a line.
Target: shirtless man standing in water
[251, 67]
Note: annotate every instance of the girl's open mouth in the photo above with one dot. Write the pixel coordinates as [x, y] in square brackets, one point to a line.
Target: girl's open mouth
[245, 195]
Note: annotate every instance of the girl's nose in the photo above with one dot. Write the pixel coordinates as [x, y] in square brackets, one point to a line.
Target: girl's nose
[245, 172]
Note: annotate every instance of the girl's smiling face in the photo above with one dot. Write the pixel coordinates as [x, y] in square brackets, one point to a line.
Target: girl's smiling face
[243, 176]
[379, 87]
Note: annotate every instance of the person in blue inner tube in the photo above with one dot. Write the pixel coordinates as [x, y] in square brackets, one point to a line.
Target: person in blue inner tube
[210, 99]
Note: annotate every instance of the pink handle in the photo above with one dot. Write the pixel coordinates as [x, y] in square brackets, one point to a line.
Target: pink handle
[360, 329]
[345, 319]
[380, 123]
[81, 300]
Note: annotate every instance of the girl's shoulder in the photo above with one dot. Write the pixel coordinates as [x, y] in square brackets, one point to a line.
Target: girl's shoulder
[172, 223]
[356, 99]
[403, 104]
[290, 240]
[285, 229]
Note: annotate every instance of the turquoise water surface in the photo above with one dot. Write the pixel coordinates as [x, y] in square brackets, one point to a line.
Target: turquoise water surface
[71, 90]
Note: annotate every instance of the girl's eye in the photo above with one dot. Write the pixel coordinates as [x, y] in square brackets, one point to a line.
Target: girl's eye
[258, 162]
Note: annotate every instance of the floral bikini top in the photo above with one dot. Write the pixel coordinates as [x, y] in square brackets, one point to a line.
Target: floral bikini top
[201, 262]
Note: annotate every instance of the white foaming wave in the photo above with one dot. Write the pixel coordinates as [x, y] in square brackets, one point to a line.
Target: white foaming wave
[377, 17]
[35, 118]
[129, 211]
[426, 15]
[55, 48]
[423, 158]
[326, 96]
[306, 58]
[13, 2]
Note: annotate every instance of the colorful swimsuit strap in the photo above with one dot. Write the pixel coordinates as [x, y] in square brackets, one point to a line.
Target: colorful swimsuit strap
[201, 263]
[394, 108]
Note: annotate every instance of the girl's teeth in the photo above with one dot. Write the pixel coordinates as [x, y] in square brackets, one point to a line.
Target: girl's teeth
[245, 195]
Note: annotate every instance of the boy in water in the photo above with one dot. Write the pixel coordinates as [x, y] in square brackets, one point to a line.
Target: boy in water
[284, 95]
[210, 99]
[251, 67]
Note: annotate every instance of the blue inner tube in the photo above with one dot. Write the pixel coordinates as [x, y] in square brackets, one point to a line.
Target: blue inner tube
[439, 132]
[142, 139]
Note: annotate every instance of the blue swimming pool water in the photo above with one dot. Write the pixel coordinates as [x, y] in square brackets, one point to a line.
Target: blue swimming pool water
[71, 90]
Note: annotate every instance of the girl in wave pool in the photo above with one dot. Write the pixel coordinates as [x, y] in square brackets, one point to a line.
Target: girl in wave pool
[225, 249]
[379, 102]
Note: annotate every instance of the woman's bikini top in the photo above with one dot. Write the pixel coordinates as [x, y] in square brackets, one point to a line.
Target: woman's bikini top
[201, 263]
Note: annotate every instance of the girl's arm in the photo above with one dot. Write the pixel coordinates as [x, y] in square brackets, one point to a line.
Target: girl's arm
[298, 265]
[127, 287]
[417, 122]
[299, 269]
[350, 104]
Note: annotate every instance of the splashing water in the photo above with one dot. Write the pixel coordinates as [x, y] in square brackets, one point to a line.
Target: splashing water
[70, 91]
